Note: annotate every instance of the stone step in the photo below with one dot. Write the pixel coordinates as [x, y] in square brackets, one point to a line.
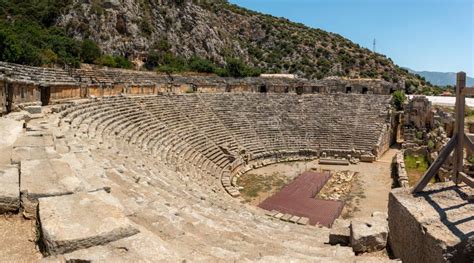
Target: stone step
[82, 220]
[9, 189]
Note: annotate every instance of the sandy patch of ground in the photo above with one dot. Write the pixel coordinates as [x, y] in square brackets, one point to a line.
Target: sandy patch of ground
[17, 239]
[371, 187]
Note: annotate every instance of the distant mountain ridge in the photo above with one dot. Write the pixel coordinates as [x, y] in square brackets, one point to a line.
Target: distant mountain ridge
[441, 78]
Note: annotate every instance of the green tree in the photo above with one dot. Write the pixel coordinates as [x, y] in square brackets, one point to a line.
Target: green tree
[123, 62]
[107, 60]
[237, 69]
[90, 51]
[201, 65]
[398, 99]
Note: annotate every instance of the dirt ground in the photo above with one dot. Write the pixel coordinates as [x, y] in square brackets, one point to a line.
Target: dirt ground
[369, 191]
[371, 187]
[261, 183]
[17, 239]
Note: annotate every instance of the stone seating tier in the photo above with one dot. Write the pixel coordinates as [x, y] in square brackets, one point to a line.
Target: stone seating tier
[206, 133]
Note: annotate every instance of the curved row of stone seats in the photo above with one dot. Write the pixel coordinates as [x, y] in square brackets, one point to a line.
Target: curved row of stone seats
[182, 217]
[227, 110]
[110, 76]
[116, 115]
[187, 131]
[211, 134]
[36, 74]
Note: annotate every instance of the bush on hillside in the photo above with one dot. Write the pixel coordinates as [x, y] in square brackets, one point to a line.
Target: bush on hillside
[201, 65]
[114, 62]
[90, 52]
[237, 69]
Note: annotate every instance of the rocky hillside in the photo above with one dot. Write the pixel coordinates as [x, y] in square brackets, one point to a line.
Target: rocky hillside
[159, 32]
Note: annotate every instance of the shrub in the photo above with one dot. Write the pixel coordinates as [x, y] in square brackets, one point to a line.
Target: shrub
[172, 64]
[201, 65]
[398, 98]
[152, 60]
[237, 69]
[90, 52]
[107, 61]
[114, 62]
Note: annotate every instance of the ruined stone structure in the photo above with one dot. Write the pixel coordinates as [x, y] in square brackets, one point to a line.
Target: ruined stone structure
[24, 85]
[150, 162]
[434, 226]
[149, 177]
[225, 135]
[154, 160]
[433, 222]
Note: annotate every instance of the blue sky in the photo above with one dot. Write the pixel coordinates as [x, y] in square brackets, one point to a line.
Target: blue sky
[433, 35]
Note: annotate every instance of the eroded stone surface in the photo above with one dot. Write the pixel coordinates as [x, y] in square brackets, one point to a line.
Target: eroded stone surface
[48, 177]
[340, 232]
[368, 234]
[9, 189]
[82, 220]
[32, 153]
[435, 226]
[33, 109]
[34, 141]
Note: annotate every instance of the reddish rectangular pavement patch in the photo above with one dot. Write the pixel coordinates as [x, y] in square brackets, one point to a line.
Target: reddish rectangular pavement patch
[297, 198]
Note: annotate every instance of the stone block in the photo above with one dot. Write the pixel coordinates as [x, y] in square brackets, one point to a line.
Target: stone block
[33, 109]
[278, 215]
[9, 189]
[82, 220]
[34, 141]
[271, 213]
[294, 219]
[303, 221]
[434, 226]
[286, 217]
[48, 177]
[32, 153]
[369, 158]
[340, 232]
[368, 234]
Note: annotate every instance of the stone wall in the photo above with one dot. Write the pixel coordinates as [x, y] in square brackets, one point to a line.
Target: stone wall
[419, 114]
[426, 131]
[433, 226]
[29, 84]
[402, 175]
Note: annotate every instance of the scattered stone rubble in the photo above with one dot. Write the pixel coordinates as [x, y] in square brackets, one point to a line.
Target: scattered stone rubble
[338, 186]
[426, 131]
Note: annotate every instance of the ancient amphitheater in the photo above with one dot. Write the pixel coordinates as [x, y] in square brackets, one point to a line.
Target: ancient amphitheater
[134, 166]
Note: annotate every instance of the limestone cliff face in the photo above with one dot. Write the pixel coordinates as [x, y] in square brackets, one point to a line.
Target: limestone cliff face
[131, 27]
[216, 30]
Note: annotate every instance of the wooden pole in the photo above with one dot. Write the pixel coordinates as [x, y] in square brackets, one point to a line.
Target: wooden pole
[433, 169]
[459, 126]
